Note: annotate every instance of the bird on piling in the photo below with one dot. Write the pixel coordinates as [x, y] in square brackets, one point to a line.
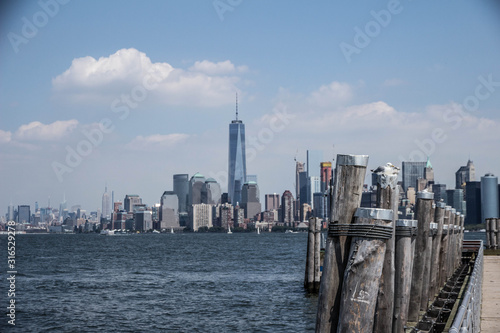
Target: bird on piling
[387, 174]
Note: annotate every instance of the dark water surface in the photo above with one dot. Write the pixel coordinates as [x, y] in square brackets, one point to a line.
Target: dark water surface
[159, 283]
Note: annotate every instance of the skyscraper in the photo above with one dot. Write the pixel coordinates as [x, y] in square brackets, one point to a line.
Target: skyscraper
[23, 214]
[250, 200]
[130, 201]
[489, 197]
[106, 204]
[272, 201]
[411, 172]
[287, 207]
[181, 188]
[169, 217]
[196, 184]
[210, 192]
[473, 202]
[237, 158]
[465, 174]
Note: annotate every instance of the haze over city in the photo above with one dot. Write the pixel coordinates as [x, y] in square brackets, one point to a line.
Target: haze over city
[151, 87]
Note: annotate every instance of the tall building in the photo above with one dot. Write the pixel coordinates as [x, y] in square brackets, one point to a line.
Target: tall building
[326, 175]
[287, 207]
[250, 201]
[272, 201]
[23, 214]
[211, 192]
[429, 172]
[130, 201]
[106, 204]
[299, 167]
[143, 220]
[181, 188]
[489, 197]
[196, 184]
[314, 159]
[314, 186]
[455, 199]
[10, 212]
[169, 214]
[225, 215]
[237, 165]
[465, 174]
[411, 172]
[202, 216]
[473, 202]
[439, 191]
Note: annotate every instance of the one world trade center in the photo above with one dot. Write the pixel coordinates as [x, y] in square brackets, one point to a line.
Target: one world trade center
[237, 158]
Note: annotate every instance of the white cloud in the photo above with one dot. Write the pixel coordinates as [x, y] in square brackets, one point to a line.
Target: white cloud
[37, 131]
[217, 68]
[100, 81]
[331, 95]
[157, 141]
[5, 136]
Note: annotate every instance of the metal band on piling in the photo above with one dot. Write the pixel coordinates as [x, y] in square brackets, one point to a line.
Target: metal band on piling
[434, 227]
[358, 160]
[405, 228]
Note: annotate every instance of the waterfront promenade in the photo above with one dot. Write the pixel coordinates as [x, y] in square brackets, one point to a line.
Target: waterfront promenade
[490, 309]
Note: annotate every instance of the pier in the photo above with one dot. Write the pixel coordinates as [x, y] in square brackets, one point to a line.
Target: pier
[382, 274]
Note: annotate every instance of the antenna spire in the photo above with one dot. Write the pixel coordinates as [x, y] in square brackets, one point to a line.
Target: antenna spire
[236, 105]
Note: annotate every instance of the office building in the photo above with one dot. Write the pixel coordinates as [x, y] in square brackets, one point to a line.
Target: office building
[23, 214]
[169, 214]
[238, 217]
[143, 220]
[211, 192]
[225, 215]
[202, 216]
[272, 201]
[455, 199]
[489, 197]
[314, 159]
[130, 201]
[326, 175]
[106, 204]
[465, 174]
[314, 186]
[473, 202]
[237, 164]
[196, 184]
[287, 207]
[439, 191]
[181, 188]
[411, 172]
[250, 201]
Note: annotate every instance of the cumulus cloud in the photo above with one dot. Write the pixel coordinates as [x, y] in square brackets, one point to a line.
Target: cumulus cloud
[37, 131]
[332, 94]
[101, 80]
[217, 68]
[157, 141]
[5, 136]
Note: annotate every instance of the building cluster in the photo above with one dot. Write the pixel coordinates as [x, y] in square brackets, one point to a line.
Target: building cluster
[196, 203]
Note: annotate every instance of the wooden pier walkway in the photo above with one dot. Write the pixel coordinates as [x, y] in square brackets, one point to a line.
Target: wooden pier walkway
[490, 309]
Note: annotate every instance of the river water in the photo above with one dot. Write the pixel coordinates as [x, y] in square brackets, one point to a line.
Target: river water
[159, 283]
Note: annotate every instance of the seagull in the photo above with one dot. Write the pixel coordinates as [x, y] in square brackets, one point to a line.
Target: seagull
[388, 168]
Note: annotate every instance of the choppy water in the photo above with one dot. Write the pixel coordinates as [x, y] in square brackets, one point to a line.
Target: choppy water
[159, 283]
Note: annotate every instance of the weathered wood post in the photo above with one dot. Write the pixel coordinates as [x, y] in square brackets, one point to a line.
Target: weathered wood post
[405, 230]
[498, 233]
[451, 244]
[436, 249]
[458, 246]
[423, 208]
[317, 254]
[387, 198]
[371, 228]
[443, 256]
[347, 189]
[493, 233]
[488, 233]
[310, 262]
[424, 301]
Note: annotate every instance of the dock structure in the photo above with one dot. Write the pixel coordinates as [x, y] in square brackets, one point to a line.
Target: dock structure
[381, 274]
[490, 308]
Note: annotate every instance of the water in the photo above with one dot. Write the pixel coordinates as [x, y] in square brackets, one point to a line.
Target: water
[475, 235]
[160, 283]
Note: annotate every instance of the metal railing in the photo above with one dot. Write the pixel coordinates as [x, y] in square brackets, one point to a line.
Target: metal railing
[468, 315]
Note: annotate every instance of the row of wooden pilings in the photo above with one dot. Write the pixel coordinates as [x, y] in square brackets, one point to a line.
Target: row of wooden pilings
[379, 273]
[492, 233]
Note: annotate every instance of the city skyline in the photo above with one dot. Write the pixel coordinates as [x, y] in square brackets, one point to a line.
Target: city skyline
[407, 92]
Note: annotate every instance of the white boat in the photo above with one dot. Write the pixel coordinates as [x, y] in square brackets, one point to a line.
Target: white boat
[108, 232]
[288, 231]
[171, 230]
[156, 232]
[229, 230]
[258, 231]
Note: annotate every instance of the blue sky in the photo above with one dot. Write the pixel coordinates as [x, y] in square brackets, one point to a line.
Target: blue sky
[403, 94]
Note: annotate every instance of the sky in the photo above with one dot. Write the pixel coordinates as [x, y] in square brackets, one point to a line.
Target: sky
[128, 93]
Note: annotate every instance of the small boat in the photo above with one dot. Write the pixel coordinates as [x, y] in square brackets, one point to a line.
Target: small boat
[156, 232]
[229, 230]
[258, 231]
[171, 230]
[482, 230]
[288, 231]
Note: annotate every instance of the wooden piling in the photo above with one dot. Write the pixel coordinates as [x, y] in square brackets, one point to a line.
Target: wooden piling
[348, 185]
[405, 230]
[493, 233]
[426, 295]
[317, 254]
[458, 246]
[387, 198]
[444, 245]
[488, 234]
[436, 248]
[371, 227]
[498, 233]
[310, 262]
[451, 244]
[423, 212]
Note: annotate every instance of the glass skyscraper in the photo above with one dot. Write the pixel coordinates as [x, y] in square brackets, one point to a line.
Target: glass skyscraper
[237, 159]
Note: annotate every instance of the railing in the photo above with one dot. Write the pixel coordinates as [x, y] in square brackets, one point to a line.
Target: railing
[468, 315]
